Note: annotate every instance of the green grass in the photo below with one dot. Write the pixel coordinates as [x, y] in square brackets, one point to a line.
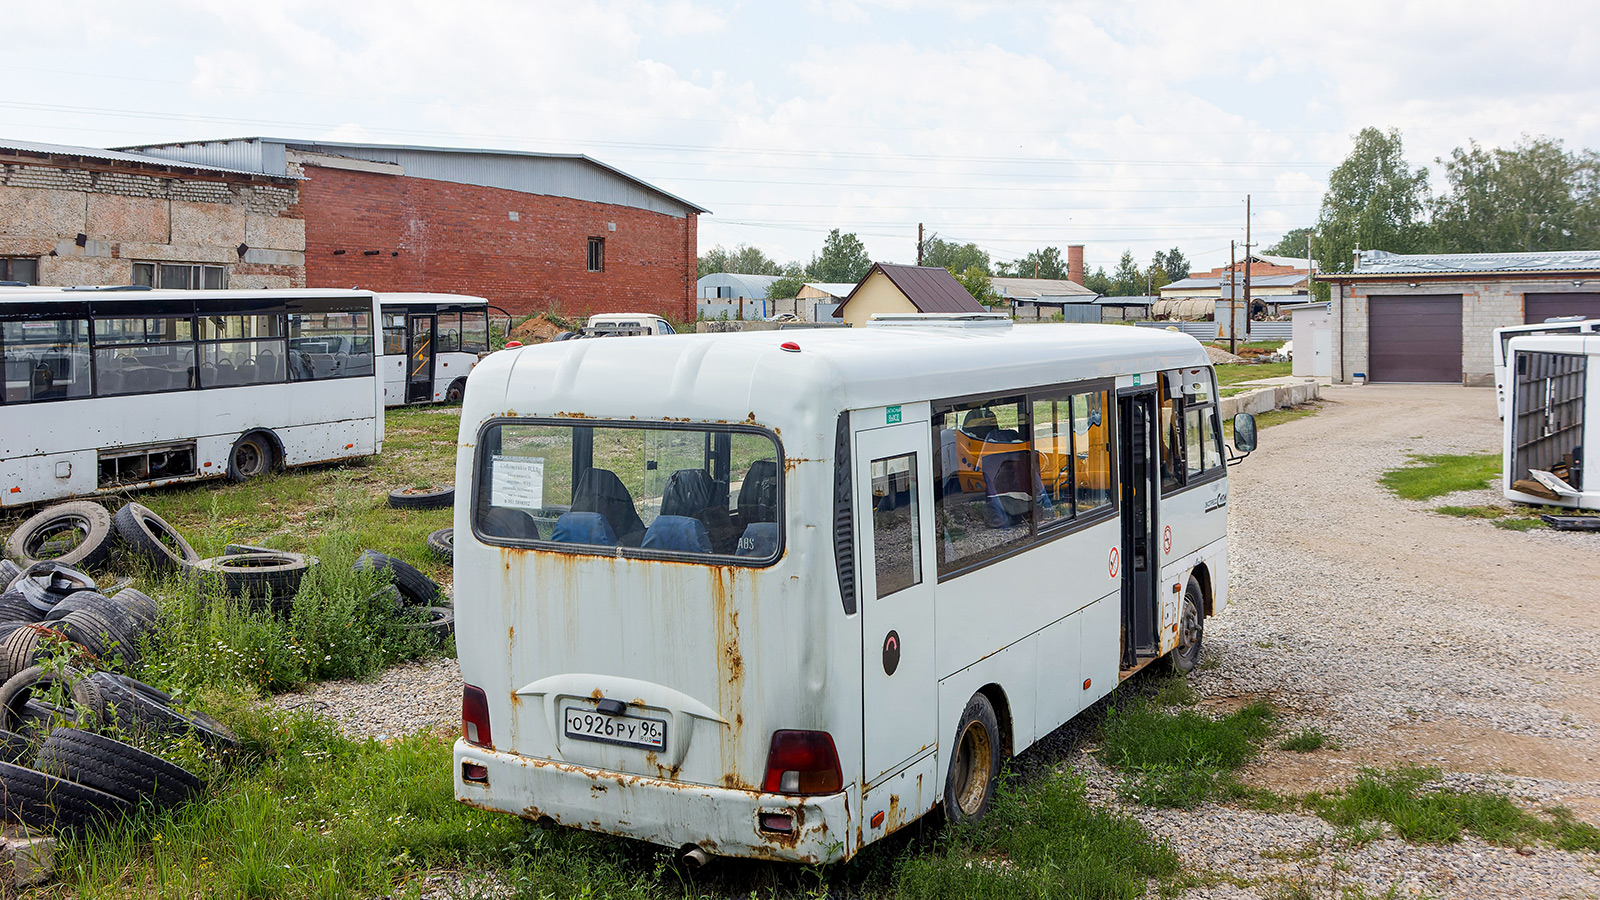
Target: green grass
[1434, 475]
[1405, 799]
[1181, 759]
[1040, 841]
[1304, 741]
[1233, 373]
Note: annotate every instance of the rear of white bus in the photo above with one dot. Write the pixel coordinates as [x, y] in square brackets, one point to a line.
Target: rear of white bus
[641, 649]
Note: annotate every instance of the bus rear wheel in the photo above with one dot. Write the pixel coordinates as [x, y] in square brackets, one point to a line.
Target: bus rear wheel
[975, 764]
[1191, 629]
[456, 391]
[252, 455]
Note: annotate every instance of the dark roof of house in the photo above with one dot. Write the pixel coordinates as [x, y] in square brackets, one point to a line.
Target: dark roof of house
[931, 289]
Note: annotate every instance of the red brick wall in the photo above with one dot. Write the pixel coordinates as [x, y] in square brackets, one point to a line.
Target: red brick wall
[459, 238]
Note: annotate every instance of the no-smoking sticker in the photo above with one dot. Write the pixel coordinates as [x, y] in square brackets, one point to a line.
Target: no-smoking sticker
[1115, 564]
[1166, 539]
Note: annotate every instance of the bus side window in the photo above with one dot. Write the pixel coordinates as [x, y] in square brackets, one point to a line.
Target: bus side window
[474, 331]
[987, 480]
[45, 360]
[896, 544]
[1091, 441]
[1171, 428]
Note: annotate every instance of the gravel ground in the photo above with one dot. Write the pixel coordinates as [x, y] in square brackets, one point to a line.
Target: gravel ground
[1408, 637]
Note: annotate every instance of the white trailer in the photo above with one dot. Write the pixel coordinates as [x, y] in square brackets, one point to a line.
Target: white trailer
[779, 594]
[1553, 403]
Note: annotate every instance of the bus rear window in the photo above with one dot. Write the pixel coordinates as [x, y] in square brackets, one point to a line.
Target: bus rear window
[634, 490]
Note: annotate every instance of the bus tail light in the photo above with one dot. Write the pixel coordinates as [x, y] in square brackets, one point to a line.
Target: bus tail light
[475, 716]
[802, 762]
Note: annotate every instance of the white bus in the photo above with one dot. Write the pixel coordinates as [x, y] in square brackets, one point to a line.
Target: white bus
[431, 342]
[1553, 404]
[1502, 346]
[114, 388]
[777, 595]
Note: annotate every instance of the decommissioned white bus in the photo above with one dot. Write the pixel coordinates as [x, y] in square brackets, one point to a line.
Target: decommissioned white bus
[777, 595]
[114, 388]
[430, 344]
[1553, 407]
[1502, 346]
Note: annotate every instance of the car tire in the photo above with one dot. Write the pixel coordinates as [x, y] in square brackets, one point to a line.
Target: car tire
[456, 392]
[34, 539]
[16, 694]
[417, 588]
[8, 573]
[16, 748]
[40, 800]
[133, 706]
[148, 535]
[14, 607]
[23, 648]
[975, 763]
[436, 497]
[119, 769]
[440, 623]
[252, 455]
[103, 632]
[257, 577]
[443, 544]
[1185, 655]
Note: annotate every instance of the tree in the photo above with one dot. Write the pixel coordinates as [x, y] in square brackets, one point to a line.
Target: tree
[785, 288]
[936, 251]
[976, 281]
[1127, 280]
[843, 259]
[1292, 244]
[1535, 196]
[1156, 277]
[1042, 263]
[743, 260]
[1098, 281]
[1175, 264]
[1374, 200]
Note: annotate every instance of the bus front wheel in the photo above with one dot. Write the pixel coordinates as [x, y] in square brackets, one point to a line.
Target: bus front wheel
[1191, 629]
[456, 391]
[975, 764]
[252, 455]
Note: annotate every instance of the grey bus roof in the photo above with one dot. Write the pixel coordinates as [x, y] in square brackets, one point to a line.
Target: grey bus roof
[34, 148]
[572, 175]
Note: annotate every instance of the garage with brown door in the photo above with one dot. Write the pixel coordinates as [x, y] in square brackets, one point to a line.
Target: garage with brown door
[1539, 307]
[1414, 338]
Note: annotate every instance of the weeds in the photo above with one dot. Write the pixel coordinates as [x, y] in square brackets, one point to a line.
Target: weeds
[1304, 741]
[1181, 759]
[1043, 840]
[1434, 475]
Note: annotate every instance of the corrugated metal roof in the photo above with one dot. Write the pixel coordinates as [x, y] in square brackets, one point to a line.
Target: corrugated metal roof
[749, 286]
[1028, 288]
[832, 288]
[119, 156]
[553, 174]
[1382, 262]
[931, 289]
[1125, 301]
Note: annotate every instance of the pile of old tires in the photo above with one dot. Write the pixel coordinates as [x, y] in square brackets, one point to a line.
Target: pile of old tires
[83, 533]
[413, 593]
[65, 765]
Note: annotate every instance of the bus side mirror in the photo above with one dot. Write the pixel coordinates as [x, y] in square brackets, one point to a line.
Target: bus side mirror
[1244, 432]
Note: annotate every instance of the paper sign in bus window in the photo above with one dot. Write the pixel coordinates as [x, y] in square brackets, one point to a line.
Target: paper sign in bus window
[518, 482]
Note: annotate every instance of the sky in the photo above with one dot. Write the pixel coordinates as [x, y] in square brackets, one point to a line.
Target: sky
[1132, 126]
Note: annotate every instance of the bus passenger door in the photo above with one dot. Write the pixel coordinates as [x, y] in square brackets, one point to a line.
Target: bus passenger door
[419, 378]
[1136, 448]
[893, 480]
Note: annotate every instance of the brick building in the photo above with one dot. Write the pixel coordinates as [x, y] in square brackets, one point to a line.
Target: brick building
[81, 215]
[529, 231]
[1431, 317]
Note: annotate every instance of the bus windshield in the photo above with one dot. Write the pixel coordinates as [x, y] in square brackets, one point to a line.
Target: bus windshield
[631, 490]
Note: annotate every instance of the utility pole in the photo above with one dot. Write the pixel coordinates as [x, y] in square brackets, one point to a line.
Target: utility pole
[1247, 246]
[1233, 303]
[919, 243]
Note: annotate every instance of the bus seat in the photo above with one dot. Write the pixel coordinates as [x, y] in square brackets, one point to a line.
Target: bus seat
[226, 373]
[979, 423]
[758, 496]
[677, 533]
[1008, 485]
[584, 528]
[246, 373]
[688, 491]
[724, 531]
[267, 365]
[759, 540]
[601, 491]
[510, 523]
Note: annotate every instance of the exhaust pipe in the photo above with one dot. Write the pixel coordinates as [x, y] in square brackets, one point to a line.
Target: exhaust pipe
[694, 857]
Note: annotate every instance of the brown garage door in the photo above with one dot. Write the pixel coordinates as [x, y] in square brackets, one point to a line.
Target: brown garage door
[1414, 338]
[1547, 306]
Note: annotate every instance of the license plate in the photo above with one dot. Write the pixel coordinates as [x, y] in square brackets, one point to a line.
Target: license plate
[629, 731]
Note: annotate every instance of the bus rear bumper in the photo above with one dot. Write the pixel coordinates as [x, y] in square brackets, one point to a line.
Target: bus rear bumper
[721, 821]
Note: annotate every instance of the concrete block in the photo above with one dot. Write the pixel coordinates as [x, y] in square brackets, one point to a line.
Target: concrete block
[275, 233]
[27, 857]
[37, 212]
[274, 257]
[117, 218]
[70, 270]
[207, 224]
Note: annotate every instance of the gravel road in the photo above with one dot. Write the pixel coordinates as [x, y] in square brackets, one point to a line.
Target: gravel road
[1407, 636]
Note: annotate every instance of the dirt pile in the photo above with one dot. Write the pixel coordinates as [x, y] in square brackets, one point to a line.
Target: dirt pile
[1220, 356]
[537, 330]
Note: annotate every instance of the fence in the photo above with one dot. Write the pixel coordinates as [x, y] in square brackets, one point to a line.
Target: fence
[744, 309]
